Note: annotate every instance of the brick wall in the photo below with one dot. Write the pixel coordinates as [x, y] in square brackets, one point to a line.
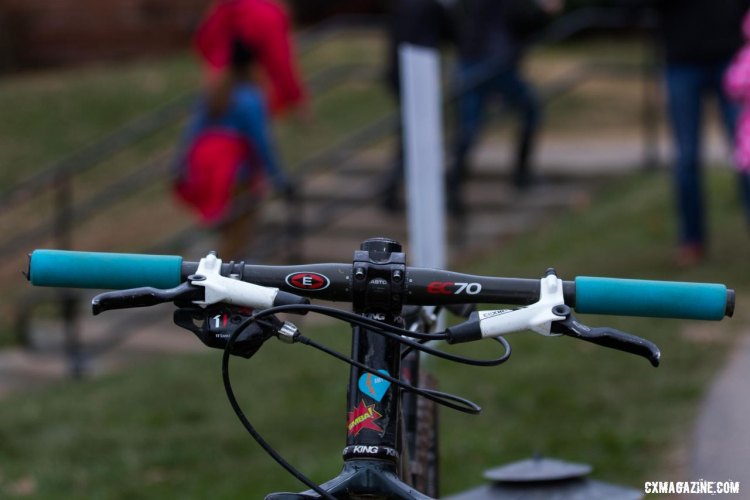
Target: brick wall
[51, 32]
[36, 33]
[312, 11]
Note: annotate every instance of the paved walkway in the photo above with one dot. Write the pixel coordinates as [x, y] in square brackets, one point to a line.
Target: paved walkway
[132, 338]
[721, 450]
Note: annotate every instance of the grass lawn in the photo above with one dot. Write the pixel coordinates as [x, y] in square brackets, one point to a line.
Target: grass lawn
[165, 430]
[50, 114]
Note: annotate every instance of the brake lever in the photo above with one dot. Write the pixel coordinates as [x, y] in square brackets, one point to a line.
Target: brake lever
[606, 337]
[145, 297]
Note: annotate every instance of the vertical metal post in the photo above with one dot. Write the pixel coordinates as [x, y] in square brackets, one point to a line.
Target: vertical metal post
[422, 121]
[63, 214]
[422, 125]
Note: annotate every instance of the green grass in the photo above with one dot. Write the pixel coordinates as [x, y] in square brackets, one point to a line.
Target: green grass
[50, 114]
[165, 429]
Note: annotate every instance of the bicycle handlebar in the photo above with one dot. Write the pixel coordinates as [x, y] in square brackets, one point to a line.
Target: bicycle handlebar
[612, 296]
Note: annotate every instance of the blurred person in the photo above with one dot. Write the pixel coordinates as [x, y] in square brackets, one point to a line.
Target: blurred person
[698, 40]
[491, 42]
[229, 149]
[424, 23]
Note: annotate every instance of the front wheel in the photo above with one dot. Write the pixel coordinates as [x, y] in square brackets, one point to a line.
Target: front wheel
[424, 460]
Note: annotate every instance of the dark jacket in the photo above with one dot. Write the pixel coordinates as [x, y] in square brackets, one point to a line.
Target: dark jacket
[425, 23]
[485, 31]
[698, 31]
[497, 29]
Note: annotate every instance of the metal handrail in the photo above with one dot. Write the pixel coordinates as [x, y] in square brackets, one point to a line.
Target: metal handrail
[135, 179]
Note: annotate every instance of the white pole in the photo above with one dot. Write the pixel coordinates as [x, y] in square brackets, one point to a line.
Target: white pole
[421, 115]
[422, 124]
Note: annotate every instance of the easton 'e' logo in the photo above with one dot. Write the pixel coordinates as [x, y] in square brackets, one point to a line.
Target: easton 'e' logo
[307, 281]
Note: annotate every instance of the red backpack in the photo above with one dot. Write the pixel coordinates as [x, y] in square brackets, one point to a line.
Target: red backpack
[212, 173]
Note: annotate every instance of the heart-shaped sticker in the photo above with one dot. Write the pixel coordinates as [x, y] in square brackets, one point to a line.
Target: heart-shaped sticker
[373, 386]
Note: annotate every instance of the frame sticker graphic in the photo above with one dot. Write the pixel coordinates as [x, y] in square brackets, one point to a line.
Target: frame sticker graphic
[373, 386]
[363, 417]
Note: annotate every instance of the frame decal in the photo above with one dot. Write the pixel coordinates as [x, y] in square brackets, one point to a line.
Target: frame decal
[358, 451]
[373, 386]
[363, 417]
[451, 288]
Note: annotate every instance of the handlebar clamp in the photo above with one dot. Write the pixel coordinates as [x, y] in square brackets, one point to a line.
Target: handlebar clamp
[379, 277]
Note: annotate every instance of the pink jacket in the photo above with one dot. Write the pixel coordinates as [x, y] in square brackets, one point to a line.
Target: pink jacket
[737, 85]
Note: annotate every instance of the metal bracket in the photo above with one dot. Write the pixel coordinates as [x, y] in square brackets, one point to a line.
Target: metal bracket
[219, 288]
[538, 316]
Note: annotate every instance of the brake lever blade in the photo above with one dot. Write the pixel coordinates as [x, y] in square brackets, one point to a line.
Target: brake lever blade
[609, 337]
[144, 297]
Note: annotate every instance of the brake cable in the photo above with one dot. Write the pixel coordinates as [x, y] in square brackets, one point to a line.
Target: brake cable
[352, 318]
[392, 332]
[254, 433]
[442, 398]
[445, 399]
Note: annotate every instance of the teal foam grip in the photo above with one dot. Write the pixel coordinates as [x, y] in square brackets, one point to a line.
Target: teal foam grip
[116, 271]
[661, 299]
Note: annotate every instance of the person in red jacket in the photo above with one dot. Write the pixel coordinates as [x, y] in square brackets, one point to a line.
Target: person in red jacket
[228, 148]
[262, 25]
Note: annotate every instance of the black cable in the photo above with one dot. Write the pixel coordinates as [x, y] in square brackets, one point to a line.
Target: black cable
[249, 427]
[453, 357]
[409, 349]
[350, 317]
[442, 398]
[382, 328]
[392, 332]
[449, 400]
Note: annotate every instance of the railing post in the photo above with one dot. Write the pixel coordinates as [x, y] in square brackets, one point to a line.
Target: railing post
[63, 218]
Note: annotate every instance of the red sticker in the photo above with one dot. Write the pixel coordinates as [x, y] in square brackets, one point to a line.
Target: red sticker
[363, 417]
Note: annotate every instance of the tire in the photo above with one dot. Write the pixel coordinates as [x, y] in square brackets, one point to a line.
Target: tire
[424, 465]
